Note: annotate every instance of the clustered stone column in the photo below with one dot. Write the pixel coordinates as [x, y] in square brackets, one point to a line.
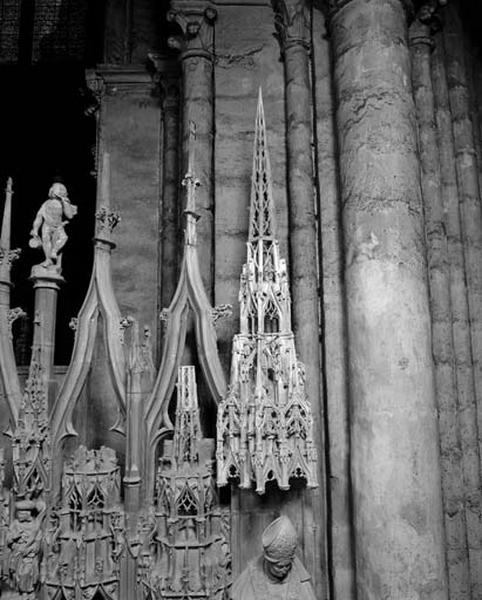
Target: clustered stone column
[468, 184]
[399, 537]
[452, 369]
[335, 364]
[467, 223]
[292, 29]
[196, 19]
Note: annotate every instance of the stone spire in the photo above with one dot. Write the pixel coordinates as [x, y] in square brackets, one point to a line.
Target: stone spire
[264, 270]
[261, 218]
[30, 441]
[187, 431]
[265, 424]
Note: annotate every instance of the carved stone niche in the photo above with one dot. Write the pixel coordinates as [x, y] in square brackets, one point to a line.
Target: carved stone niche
[84, 536]
[186, 552]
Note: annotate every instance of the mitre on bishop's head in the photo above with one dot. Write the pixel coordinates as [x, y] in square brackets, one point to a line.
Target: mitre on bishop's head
[279, 540]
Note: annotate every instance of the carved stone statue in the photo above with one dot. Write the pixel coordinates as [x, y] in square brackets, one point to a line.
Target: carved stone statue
[48, 227]
[277, 574]
[24, 540]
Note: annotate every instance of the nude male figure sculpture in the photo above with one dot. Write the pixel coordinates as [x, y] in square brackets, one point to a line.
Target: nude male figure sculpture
[48, 227]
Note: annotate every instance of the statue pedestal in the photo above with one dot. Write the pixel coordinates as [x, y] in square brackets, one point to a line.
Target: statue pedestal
[46, 283]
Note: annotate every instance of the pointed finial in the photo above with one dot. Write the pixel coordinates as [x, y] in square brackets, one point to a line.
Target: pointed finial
[7, 256]
[261, 217]
[7, 216]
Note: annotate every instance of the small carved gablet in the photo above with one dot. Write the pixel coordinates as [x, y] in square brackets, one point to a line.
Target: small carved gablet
[265, 424]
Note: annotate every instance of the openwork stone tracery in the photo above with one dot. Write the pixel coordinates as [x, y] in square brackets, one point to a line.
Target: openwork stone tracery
[187, 548]
[84, 524]
[265, 425]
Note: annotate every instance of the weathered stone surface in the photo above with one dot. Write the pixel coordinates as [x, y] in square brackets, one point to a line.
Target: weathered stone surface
[246, 52]
[333, 319]
[170, 242]
[247, 56]
[196, 44]
[471, 237]
[441, 299]
[456, 522]
[129, 131]
[292, 23]
[397, 511]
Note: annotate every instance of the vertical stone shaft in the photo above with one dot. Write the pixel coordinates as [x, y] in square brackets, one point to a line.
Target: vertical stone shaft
[469, 197]
[198, 108]
[170, 207]
[440, 307]
[472, 66]
[334, 323]
[197, 47]
[399, 541]
[46, 288]
[292, 24]
[132, 478]
[455, 519]
[471, 237]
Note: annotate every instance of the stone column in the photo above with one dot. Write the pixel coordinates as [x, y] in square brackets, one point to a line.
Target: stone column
[129, 129]
[456, 520]
[46, 283]
[293, 33]
[196, 44]
[469, 357]
[335, 364]
[468, 185]
[399, 538]
[170, 222]
[170, 239]
[447, 375]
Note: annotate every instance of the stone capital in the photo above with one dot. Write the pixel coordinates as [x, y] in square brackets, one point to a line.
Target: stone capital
[196, 22]
[428, 20]
[291, 21]
[167, 78]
